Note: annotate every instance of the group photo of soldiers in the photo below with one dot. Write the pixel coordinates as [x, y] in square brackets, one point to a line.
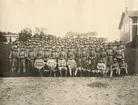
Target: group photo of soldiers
[72, 57]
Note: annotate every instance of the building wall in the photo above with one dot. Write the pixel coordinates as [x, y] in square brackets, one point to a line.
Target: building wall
[11, 38]
[129, 31]
[125, 31]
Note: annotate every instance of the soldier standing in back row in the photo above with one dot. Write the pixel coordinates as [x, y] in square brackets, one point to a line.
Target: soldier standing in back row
[110, 54]
[85, 61]
[31, 55]
[40, 51]
[92, 59]
[119, 54]
[22, 54]
[97, 49]
[122, 47]
[103, 56]
[14, 58]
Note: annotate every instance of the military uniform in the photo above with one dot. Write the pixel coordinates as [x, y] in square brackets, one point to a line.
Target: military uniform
[63, 54]
[109, 56]
[114, 66]
[122, 47]
[119, 54]
[103, 55]
[92, 59]
[22, 54]
[79, 58]
[40, 52]
[14, 58]
[85, 63]
[31, 57]
[47, 54]
[97, 49]
[71, 62]
[124, 66]
[62, 61]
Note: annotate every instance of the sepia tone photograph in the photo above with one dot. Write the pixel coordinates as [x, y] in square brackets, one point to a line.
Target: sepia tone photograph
[68, 52]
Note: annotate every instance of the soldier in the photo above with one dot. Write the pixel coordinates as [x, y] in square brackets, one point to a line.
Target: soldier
[39, 64]
[52, 62]
[101, 66]
[85, 61]
[22, 55]
[56, 53]
[47, 53]
[123, 66]
[114, 66]
[122, 47]
[119, 54]
[14, 58]
[109, 56]
[71, 61]
[78, 61]
[97, 49]
[92, 60]
[31, 55]
[114, 47]
[105, 46]
[103, 55]
[63, 53]
[62, 61]
[40, 51]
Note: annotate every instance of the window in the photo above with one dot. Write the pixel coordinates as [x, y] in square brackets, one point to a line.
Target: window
[135, 25]
[135, 20]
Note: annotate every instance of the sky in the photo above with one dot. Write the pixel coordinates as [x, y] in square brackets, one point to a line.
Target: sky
[61, 16]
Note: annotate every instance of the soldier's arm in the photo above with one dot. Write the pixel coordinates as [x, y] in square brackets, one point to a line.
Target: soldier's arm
[104, 66]
[10, 56]
[18, 53]
[98, 66]
[26, 53]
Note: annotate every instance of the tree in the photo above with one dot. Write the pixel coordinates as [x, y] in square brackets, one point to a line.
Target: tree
[40, 33]
[2, 37]
[25, 34]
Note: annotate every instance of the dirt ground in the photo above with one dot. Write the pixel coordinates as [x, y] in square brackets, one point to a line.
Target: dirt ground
[69, 91]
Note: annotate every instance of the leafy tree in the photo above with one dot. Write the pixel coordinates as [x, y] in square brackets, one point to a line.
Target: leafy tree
[25, 34]
[40, 33]
[2, 37]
